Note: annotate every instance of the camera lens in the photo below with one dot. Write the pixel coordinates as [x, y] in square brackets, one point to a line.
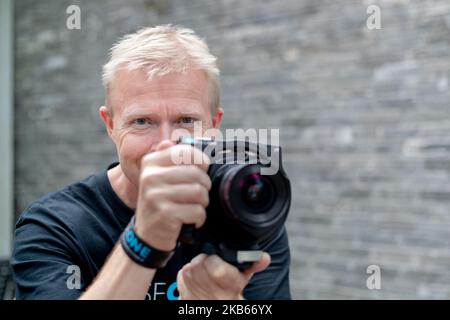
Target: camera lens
[253, 205]
[257, 192]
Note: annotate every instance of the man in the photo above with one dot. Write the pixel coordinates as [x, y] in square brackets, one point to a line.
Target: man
[158, 82]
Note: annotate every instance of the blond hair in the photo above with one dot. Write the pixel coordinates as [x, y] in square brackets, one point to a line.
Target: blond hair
[161, 50]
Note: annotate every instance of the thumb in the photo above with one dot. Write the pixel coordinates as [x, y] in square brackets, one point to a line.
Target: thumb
[164, 145]
[258, 266]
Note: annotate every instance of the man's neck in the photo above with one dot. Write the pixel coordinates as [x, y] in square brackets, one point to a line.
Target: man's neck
[125, 190]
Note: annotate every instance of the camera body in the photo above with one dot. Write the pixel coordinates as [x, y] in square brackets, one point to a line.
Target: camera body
[246, 206]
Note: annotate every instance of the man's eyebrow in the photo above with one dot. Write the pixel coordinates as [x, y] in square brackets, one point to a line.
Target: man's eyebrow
[192, 114]
[146, 114]
[139, 114]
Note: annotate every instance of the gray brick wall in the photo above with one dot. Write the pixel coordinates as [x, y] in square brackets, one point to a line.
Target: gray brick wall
[364, 118]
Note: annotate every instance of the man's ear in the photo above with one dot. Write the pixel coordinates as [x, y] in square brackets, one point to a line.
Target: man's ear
[106, 116]
[217, 118]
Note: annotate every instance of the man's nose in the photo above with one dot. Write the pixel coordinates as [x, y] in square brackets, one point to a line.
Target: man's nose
[165, 132]
[165, 137]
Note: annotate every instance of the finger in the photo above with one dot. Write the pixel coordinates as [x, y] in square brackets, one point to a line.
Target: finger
[190, 193]
[224, 274]
[189, 213]
[183, 277]
[177, 154]
[200, 282]
[201, 279]
[189, 155]
[174, 175]
[193, 193]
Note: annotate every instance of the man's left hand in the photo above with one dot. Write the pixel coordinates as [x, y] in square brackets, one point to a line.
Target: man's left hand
[211, 278]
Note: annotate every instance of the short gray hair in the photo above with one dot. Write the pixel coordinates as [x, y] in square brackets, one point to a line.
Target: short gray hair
[162, 50]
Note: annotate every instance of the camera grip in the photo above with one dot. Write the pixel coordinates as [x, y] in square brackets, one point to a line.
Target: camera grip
[187, 233]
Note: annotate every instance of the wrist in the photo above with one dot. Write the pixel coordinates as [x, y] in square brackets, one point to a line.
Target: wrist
[154, 237]
[140, 251]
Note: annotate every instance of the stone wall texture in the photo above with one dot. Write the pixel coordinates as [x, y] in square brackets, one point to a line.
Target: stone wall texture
[363, 117]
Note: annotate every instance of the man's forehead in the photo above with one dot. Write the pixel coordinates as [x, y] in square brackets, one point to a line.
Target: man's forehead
[137, 81]
[135, 85]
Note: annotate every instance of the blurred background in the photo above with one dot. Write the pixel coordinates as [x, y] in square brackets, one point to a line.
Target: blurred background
[363, 116]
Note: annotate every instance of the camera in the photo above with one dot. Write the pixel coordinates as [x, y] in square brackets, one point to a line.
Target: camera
[247, 207]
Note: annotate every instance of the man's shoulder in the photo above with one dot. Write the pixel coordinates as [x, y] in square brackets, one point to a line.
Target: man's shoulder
[63, 203]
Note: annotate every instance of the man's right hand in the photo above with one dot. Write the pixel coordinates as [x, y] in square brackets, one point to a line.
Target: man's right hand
[170, 195]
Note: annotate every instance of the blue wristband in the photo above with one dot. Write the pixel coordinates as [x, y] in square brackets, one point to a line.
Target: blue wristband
[140, 252]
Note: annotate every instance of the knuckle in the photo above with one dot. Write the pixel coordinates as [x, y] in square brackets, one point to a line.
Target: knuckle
[146, 159]
[147, 176]
[199, 215]
[208, 181]
[174, 227]
[195, 172]
[200, 175]
[198, 189]
[166, 209]
[219, 273]
[200, 210]
[151, 195]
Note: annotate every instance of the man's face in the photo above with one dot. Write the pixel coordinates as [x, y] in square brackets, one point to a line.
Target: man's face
[146, 112]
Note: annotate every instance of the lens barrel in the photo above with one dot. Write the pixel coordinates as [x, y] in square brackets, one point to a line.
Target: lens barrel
[253, 206]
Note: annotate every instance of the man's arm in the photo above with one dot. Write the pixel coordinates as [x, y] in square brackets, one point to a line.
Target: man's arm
[46, 264]
[120, 278]
[169, 196]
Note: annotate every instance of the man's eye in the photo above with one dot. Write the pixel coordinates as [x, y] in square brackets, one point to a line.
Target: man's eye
[187, 120]
[140, 121]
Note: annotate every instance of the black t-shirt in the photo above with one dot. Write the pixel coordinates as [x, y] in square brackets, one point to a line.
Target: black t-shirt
[63, 239]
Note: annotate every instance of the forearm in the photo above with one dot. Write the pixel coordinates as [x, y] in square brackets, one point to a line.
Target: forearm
[120, 278]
